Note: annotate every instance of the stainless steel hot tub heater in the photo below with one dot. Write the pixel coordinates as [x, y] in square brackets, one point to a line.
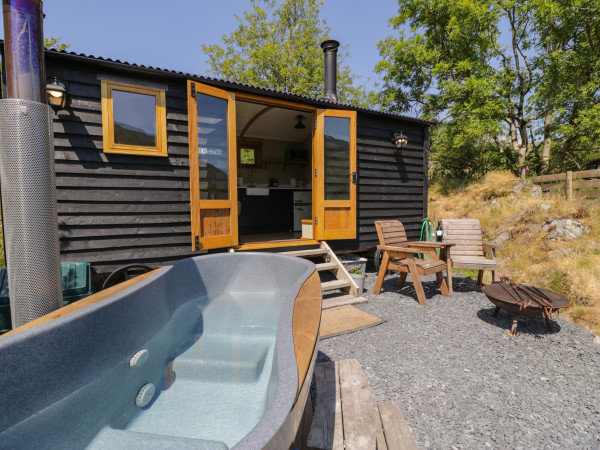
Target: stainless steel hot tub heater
[27, 168]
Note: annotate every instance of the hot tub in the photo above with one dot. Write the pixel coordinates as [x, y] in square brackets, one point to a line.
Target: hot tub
[226, 342]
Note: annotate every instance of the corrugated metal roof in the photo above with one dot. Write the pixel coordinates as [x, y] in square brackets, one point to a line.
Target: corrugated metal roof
[159, 70]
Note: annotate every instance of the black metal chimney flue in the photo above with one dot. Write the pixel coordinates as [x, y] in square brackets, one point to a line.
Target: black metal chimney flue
[330, 48]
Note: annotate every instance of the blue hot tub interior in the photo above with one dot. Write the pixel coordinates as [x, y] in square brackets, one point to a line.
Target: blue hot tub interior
[218, 332]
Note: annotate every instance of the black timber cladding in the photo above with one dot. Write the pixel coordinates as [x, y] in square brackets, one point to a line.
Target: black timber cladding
[115, 209]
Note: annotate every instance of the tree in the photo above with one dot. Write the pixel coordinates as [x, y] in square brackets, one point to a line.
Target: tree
[55, 43]
[522, 74]
[276, 46]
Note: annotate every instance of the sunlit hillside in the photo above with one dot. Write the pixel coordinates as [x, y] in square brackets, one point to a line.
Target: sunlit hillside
[571, 268]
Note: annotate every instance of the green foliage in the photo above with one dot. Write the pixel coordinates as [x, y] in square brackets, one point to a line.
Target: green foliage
[461, 156]
[520, 78]
[247, 156]
[276, 46]
[55, 43]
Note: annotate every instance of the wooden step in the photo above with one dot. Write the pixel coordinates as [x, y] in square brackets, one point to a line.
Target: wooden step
[302, 253]
[342, 300]
[335, 284]
[327, 266]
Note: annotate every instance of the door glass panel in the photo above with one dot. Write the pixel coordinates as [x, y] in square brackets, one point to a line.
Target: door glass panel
[213, 155]
[134, 118]
[337, 158]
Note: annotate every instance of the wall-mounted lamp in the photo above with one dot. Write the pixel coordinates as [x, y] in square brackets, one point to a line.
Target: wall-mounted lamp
[300, 125]
[57, 93]
[400, 140]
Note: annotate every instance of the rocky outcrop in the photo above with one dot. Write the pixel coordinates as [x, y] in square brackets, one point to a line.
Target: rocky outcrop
[502, 238]
[565, 230]
[519, 187]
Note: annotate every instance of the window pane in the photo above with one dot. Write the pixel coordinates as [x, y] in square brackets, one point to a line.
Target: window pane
[134, 118]
[337, 158]
[213, 155]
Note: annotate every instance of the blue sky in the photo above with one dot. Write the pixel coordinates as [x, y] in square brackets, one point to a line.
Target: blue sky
[169, 34]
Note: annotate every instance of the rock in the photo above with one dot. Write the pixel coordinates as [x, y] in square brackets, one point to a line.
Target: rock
[502, 238]
[520, 187]
[593, 246]
[512, 218]
[564, 230]
[515, 216]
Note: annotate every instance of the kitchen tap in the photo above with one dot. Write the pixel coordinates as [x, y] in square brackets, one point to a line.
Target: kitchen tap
[251, 183]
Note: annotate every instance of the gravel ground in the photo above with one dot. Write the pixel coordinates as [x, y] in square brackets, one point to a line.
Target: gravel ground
[462, 382]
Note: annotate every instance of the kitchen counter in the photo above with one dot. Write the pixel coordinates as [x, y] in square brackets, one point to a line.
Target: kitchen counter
[279, 188]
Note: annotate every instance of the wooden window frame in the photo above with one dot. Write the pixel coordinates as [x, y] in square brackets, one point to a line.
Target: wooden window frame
[109, 144]
[256, 146]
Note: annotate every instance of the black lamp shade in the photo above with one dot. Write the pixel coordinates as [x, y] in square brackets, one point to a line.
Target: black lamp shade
[300, 125]
[56, 93]
[400, 140]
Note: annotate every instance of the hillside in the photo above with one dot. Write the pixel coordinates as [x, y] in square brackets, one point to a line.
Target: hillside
[514, 211]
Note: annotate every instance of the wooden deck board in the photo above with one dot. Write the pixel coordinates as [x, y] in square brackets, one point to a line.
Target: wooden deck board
[397, 432]
[326, 431]
[346, 416]
[358, 409]
[381, 443]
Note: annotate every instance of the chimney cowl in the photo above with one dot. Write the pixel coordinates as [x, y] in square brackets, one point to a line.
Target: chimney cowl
[330, 45]
[330, 48]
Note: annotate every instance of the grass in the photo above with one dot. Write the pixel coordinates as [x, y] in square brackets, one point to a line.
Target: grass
[571, 268]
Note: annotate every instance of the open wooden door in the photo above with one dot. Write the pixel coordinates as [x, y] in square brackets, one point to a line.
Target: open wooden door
[334, 193]
[213, 167]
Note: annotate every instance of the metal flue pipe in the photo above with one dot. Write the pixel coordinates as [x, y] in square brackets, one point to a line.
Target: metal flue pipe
[330, 49]
[27, 168]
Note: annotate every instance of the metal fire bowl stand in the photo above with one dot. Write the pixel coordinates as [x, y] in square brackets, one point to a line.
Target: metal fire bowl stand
[504, 297]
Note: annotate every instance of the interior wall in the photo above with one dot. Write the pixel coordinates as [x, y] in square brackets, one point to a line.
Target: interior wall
[273, 157]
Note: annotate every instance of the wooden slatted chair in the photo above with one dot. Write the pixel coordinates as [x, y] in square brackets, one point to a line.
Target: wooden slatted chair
[469, 251]
[399, 254]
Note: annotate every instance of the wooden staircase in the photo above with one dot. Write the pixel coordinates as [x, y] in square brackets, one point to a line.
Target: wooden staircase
[343, 281]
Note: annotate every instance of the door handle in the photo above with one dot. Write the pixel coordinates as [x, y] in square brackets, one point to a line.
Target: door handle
[354, 177]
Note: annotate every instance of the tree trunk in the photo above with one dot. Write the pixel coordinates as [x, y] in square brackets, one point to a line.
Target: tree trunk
[519, 149]
[547, 141]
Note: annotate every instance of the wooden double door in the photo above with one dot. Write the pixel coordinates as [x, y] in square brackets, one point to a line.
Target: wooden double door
[213, 168]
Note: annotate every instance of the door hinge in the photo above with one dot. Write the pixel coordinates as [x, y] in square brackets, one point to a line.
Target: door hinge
[315, 173]
[193, 89]
[315, 124]
[316, 221]
[197, 243]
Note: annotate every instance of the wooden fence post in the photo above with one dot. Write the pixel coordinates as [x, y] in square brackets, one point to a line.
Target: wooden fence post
[569, 186]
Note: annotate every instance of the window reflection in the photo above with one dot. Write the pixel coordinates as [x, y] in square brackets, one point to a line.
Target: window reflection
[134, 118]
[213, 155]
[337, 158]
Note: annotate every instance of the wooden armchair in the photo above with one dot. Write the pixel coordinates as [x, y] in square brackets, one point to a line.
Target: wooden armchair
[469, 251]
[399, 255]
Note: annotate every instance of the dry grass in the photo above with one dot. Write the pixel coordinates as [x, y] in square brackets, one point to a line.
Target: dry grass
[571, 268]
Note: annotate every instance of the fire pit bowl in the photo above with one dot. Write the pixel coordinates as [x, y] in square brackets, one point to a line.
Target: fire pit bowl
[524, 301]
